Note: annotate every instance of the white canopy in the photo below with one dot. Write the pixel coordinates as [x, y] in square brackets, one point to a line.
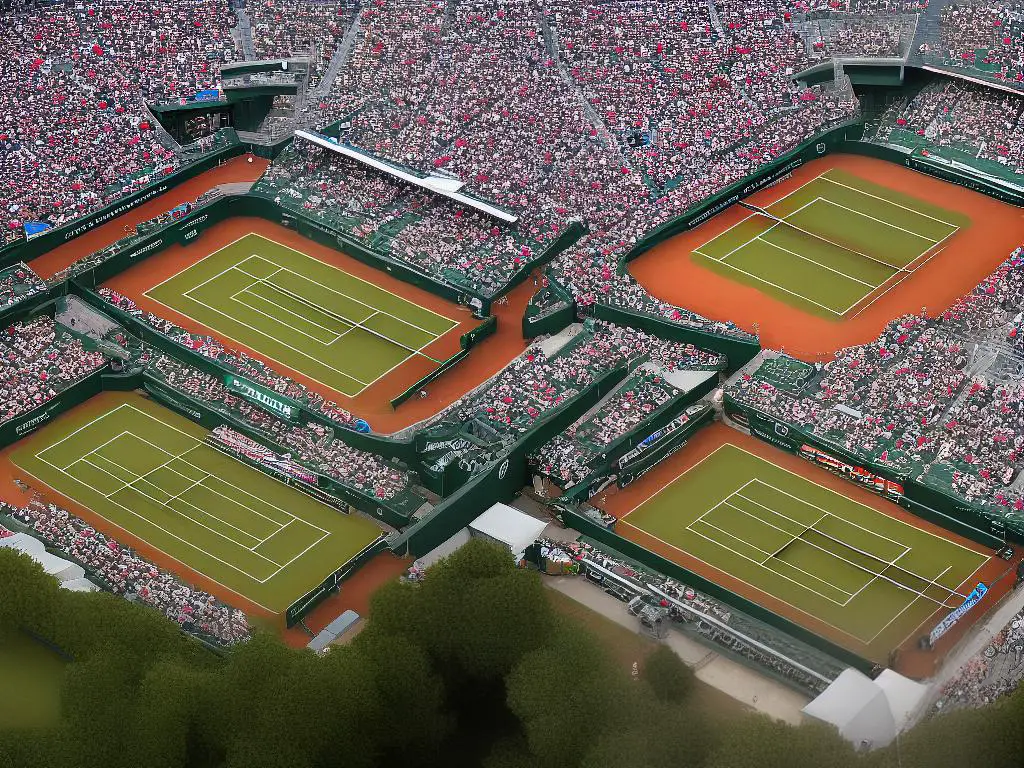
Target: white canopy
[857, 706]
[509, 526]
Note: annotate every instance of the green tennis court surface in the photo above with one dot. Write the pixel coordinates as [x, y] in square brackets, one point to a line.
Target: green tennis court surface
[874, 578]
[833, 246]
[313, 318]
[147, 470]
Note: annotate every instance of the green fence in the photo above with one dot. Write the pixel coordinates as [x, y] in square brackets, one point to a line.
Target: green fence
[607, 463]
[559, 312]
[467, 341]
[333, 583]
[929, 503]
[28, 250]
[26, 423]
[738, 350]
[919, 159]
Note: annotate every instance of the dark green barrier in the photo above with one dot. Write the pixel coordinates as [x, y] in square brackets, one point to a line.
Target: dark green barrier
[541, 322]
[437, 373]
[659, 564]
[931, 504]
[812, 148]
[26, 251]
[565, 240]
[661, 449]
[499, 482]
[738, 351]
[27, 423]
[301, 607]
[919, 162]
[372, 443]
[467, 341]
[607, 464]
[395, 512]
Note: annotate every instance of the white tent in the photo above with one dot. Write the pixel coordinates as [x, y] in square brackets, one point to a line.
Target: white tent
[507, 525]
[80, 585]
[60, 569]
[905, 697]
[859, 709]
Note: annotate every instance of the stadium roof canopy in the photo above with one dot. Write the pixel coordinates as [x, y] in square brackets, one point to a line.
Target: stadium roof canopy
[869, 713]
[440, 185]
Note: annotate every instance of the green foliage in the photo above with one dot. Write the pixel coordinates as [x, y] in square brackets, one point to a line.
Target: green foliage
[756, 741]
[469, 667]
[667, 675]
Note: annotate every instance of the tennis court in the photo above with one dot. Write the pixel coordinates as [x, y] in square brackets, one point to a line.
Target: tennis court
[874, 578]
[148, 471]
[327, 324]
[834, 245]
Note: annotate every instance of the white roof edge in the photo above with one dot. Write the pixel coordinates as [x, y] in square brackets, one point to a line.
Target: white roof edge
[433, 184]
[976, 79]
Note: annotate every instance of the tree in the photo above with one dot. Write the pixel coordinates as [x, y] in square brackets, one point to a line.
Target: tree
[567, 694]
[667, 675]
[757, 741]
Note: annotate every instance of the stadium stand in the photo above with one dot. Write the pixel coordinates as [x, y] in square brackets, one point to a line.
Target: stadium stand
[122, 571]
[937, 399]
[38, 360]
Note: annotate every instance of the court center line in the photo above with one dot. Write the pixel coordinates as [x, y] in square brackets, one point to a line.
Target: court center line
[829, 179]
[930, 239]
[872, 286]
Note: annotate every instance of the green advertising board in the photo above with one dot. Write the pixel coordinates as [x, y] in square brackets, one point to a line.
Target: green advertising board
[282, 407]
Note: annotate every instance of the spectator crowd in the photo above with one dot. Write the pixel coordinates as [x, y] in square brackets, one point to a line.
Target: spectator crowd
[938, 400]
[129, 574]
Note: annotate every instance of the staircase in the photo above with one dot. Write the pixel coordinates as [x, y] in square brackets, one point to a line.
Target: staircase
[243, 34]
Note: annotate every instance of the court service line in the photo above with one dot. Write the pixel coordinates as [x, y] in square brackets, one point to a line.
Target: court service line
[882, 221]
[917, 597]
[236, 502]
[776, 285]
[279, 320]
[872, 286]
[826, 177]
[766, 207]
[800, 584]
[142, 478]
[145, 519]
[770, 556]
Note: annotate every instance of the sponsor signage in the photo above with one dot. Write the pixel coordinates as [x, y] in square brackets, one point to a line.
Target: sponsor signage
[947, 623]
[261, 396]
[880, 485]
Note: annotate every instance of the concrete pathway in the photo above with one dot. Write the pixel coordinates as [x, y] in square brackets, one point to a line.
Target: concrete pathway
[737, 680]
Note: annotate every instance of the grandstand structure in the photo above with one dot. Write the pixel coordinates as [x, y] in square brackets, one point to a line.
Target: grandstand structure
[427, 162]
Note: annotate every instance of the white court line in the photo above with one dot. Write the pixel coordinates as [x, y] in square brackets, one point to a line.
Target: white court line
[758, 589]
[874, 511]
[917, 597]
[145, 519]
[766, 207]
[139, 478]
[290, 516]
[101, 445]
[765, 232]
[332, 387]
[882, 221]
[275, 318]
[769, 557]
[266, 335]
[827, 178]
[872, 286]
[186, 566]
[800, 584]
[831, 514]
[779, 287]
